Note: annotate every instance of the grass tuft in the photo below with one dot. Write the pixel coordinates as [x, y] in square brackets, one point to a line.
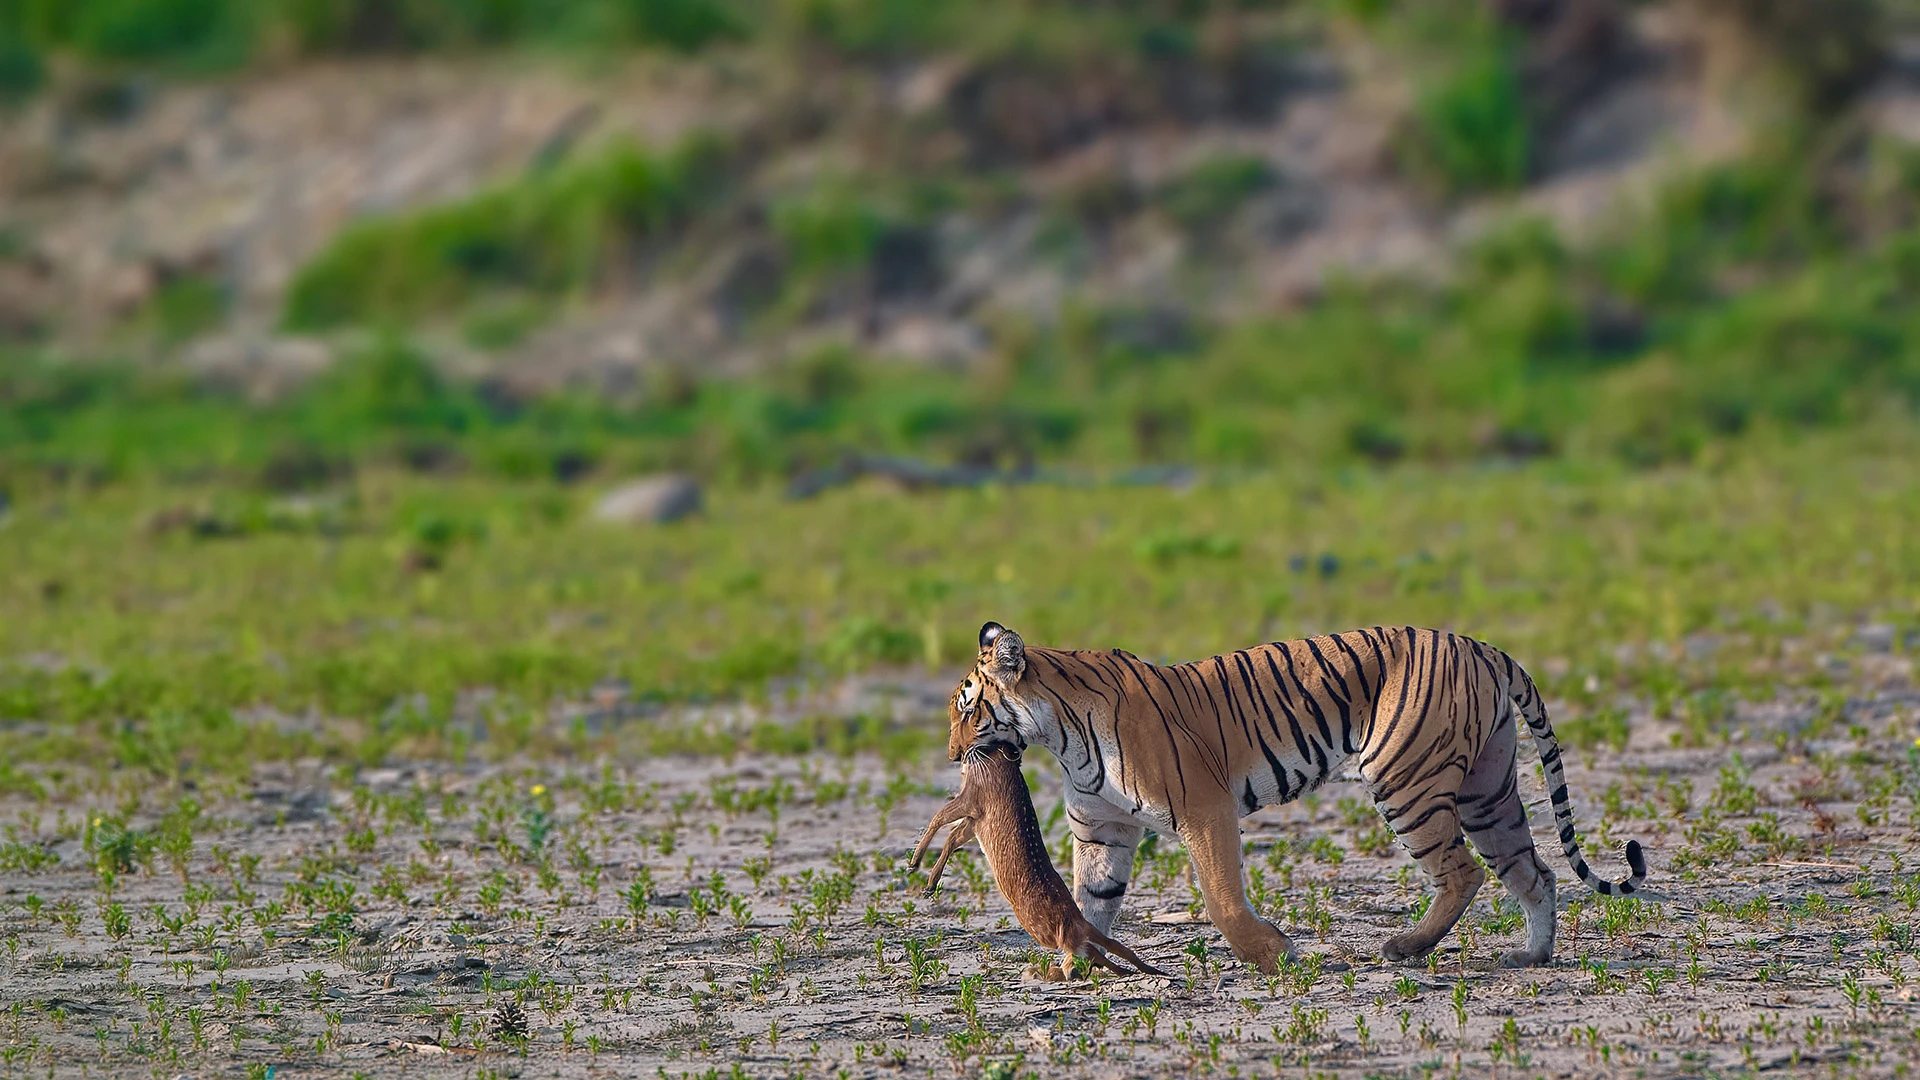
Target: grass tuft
[547, 235]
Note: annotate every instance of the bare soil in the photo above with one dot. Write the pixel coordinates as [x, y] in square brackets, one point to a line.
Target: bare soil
[443, 920]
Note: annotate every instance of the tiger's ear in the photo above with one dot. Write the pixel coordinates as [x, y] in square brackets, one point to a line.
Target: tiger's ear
[1003, 656]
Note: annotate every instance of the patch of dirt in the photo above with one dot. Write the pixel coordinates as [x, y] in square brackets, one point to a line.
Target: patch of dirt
[698, 914]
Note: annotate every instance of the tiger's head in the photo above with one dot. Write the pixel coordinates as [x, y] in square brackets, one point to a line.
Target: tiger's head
[978, 716]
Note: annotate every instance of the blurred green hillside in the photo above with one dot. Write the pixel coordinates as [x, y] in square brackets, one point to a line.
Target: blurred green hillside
[1757, 299]
[1773, 292]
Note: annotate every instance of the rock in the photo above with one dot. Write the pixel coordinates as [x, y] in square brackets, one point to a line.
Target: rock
[930, 339]
[1154, 331]
[1875, 637]
[262, 366]
[655, 500]
[385, 929]
[1177, 477]
[906, 474]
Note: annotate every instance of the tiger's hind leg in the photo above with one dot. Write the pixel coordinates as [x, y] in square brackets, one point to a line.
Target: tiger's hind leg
[1429, 827]
[1496, 821]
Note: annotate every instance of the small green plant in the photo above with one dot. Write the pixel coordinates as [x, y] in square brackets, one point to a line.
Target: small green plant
[923, 966]
[115, 919]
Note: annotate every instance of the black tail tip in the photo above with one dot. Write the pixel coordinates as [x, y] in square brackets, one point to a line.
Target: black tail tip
[1636, 859]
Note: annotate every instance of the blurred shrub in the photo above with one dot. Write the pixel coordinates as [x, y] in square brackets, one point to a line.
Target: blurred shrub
[389, 388]
[205, 34]
[1166, 547]
[875, 27]
[502, 326]
[862, 641]
[186, 306]
[21, 69]
[1743, 213]
[301, 465]
[1206, 195]
[388, 25]
[546, 235]
[685, 25]
[193, 34]
[1825, 50]
[1469, 128]
[830, 226]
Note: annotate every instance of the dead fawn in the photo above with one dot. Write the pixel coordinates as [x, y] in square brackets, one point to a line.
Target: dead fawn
[993, 805]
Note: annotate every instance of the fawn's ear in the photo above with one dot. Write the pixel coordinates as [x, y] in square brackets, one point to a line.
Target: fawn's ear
[1003, 656]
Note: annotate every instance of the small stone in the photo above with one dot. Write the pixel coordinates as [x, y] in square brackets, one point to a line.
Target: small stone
[1875, 637]
[655, 500]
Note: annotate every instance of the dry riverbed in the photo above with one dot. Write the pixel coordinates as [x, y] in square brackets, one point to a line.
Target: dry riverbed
[755, 917]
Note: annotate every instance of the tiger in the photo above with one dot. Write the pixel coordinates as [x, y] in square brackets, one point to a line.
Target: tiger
[1429, 717]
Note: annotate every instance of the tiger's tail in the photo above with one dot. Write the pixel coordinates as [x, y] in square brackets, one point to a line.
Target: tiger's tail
[1527, 697]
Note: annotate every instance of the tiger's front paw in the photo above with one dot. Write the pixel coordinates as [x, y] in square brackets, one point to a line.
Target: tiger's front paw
[1263, 946]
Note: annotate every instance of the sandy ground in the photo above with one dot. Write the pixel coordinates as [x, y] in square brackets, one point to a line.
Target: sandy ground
[480, 921]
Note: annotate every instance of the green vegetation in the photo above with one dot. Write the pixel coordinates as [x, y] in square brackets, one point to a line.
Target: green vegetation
[147, 614]
[1470, 129]
[201, 36]
[1698, 421]
[337, 722]
[831, 226]
[1205, 195]
[547, 235]
[1749, 301]
[208, 35]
